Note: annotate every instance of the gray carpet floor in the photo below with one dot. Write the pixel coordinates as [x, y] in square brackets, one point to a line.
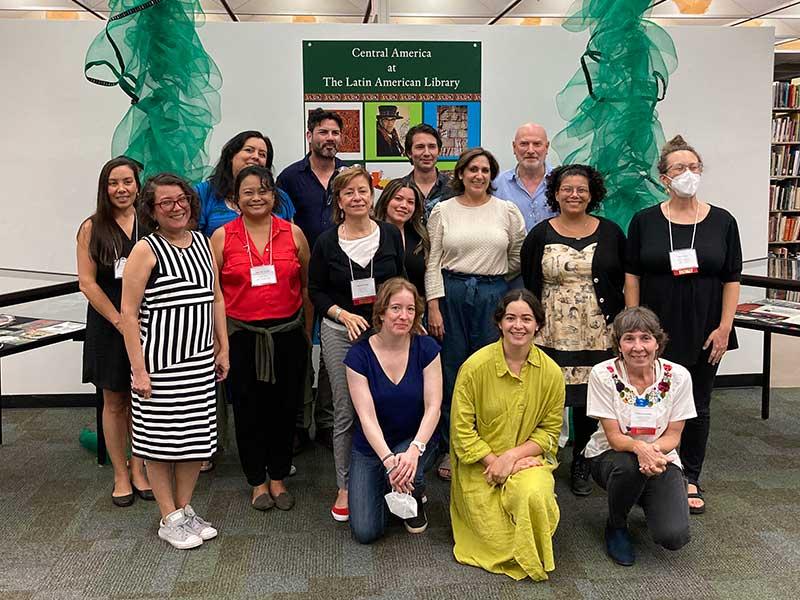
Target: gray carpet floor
[60, 536]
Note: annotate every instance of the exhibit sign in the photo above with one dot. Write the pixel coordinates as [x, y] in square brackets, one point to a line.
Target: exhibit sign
[383, 88]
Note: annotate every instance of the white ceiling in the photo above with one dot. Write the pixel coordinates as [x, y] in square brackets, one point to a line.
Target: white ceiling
[786, 19]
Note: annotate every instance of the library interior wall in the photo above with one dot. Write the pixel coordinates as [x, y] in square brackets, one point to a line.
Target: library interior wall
[57, 128]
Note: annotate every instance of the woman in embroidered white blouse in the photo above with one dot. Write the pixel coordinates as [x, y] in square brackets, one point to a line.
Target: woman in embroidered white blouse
[642, 402]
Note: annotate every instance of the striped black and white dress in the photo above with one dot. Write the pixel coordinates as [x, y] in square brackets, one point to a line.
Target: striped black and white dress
[178, 422]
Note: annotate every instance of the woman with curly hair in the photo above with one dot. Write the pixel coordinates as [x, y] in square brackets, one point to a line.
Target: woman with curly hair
[574, 262]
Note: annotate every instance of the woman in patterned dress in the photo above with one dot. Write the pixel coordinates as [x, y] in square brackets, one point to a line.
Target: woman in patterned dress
[574, 263]
[173, 321]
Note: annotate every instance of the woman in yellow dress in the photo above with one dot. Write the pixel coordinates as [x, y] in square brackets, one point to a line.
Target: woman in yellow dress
[506, 418]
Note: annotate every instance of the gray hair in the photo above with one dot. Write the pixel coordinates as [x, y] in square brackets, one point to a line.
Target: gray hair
[638, 318]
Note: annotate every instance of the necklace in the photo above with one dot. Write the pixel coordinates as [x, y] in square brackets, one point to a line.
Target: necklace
[656, 394]
[579, 233]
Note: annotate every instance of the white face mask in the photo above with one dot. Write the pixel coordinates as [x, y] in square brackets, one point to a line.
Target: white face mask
[402, 505]
[685, 185]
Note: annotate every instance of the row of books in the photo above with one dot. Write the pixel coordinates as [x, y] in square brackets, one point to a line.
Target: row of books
[787, 267]
[784, 197]
[784, 229]
[784, 161]
[785, 95]
[786, 128]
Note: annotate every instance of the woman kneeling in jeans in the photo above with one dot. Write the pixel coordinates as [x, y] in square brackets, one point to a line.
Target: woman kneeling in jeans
[642, 402]
[395, 381]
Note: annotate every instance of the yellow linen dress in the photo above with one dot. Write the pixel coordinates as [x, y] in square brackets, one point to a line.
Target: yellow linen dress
[506, 528]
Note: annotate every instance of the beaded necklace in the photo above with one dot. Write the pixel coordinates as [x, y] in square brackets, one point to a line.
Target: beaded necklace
[656, 394]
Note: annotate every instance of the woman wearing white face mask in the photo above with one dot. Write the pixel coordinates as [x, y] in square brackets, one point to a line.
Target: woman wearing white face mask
[684, 262]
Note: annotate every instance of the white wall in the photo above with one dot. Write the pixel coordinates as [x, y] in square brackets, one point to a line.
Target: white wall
[57, 127]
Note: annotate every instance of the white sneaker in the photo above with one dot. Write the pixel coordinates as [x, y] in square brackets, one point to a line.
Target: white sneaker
[197, 525]
[173, 529]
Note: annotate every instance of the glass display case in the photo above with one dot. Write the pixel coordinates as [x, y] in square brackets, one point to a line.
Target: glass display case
[769, 302]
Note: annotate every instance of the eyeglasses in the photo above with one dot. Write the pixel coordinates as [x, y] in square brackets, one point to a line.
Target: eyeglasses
[679, 168]
[581, 191]
[169, 203]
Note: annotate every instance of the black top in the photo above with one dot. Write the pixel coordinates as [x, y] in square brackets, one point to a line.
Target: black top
[414, 260]
[608, 272]
[689, 306]
[329, 271]
[312, 202]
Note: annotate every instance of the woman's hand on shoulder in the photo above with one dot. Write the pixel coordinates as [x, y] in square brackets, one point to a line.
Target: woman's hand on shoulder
[355, 324]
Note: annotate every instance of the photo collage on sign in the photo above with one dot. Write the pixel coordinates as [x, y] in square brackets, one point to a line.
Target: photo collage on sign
[374, 132]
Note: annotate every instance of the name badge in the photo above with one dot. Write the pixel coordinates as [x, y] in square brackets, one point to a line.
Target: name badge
[683, 262]
[263, 275]
[643, 420]
[119, 267]
[363, 290]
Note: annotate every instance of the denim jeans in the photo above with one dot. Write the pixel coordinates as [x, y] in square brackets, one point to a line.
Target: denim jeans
[369, 484]
[468, 310]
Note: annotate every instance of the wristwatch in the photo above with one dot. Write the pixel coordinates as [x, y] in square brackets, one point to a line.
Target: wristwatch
[420, 446]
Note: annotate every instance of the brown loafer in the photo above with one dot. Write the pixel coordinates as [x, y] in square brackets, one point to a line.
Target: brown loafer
[284, 501]
[263, 502]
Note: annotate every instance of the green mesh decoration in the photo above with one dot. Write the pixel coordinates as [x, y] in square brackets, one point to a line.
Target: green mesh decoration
[610, 102]
[152, 52]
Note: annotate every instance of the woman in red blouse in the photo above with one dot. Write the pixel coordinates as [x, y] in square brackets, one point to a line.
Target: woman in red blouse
[264, 273]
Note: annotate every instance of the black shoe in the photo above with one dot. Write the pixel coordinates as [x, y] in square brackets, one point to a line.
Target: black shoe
[324, 437]
[580, 482]
[419, 523]
[619, 546]
[122, 501]
[144, 494]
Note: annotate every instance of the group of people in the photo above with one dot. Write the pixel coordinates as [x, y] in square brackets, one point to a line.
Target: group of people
[457, 315]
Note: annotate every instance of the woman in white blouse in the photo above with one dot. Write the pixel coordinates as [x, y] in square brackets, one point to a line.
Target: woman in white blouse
[642, 402]
[475, 243]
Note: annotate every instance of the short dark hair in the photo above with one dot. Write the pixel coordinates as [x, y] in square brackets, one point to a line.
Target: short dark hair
[267, 180]
[421, 128]
[467, 157]
[638, 318]
[221, 179]
[597, 186]
[148, 198]
[318, 115]
[527, 297]
[676, 144]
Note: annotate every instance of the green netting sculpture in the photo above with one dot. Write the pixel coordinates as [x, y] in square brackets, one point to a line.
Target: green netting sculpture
[150, 49]
[610, 102]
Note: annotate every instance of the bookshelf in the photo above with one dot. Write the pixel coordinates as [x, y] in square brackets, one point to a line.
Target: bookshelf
[784, 184]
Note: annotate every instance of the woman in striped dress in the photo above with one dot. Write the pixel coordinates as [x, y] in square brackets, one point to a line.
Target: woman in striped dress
[173, 320]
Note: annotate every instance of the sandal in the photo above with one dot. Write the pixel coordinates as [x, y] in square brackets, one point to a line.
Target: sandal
[698, 495]
[444, 471]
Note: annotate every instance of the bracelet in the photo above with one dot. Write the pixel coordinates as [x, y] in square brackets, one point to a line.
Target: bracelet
[336, 314]
[383, 460]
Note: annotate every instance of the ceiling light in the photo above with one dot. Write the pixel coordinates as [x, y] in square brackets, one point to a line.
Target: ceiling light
[693, 7]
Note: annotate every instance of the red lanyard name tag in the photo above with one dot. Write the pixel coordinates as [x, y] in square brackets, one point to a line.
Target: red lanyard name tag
[263, 275]
[683, 262]
[119, 267]
[643, 420]
[363, 290]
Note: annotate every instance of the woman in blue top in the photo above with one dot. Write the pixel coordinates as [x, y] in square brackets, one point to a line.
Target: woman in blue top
[217, 206]
[395, 381]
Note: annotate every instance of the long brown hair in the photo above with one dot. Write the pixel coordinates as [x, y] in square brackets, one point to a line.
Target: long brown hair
[105, 244]
[388, 193]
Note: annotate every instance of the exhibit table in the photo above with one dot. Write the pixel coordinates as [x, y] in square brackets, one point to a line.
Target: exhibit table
[770, 303]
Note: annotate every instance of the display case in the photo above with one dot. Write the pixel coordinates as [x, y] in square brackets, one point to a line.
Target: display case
[769, 302]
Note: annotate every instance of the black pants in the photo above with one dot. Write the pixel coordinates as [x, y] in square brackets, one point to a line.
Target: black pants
[583, 428]
[695, 431]
[264, 413]
[663, 497]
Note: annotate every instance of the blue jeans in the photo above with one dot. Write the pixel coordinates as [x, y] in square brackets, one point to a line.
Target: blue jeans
[368, 485]
[467, 310]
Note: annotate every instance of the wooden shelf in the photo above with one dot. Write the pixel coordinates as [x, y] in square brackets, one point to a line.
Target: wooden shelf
[793, 210]
[785, 143]
[778, 109]
[784, 176]
[784, 243]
